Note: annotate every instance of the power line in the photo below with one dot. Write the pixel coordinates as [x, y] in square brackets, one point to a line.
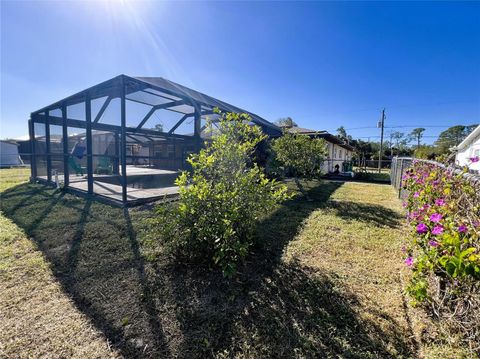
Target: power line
[377, 136]
[406, 106]
[426, 126]
[402, 126]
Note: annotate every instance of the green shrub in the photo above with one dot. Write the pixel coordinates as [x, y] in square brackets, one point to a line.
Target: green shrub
[426, 152]
[221, 199]
[372, 176]
[299, 156]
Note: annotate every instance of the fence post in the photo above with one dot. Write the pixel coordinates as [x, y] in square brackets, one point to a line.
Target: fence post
[393, 171]
[400, 180]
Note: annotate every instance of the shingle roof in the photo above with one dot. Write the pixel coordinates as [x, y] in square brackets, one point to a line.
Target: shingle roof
[320, 134]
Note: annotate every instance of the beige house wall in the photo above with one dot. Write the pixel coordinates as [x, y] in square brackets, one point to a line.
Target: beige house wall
[336, 155]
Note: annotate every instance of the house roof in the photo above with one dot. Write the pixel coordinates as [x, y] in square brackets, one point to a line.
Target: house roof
[303, 131]
[319, 134]
[470, 138]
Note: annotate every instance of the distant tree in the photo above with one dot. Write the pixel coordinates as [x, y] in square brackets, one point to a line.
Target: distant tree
[158, 127]
[452, 137]
[300, 156]
[342, 133]
[286, 122]
[363, 149]
[416, 135]
[368, 150]
[397, 138]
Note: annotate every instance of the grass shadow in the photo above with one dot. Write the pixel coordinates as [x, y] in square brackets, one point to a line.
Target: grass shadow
[94, 254]
[369, 213]
[276, 308]
[272, 308]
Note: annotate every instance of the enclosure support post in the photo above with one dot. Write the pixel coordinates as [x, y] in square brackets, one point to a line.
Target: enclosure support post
[116, 166]
[47, 146]
[66, 176]
[88, 116]
[197, 128]
[33, 159]
[123, 142]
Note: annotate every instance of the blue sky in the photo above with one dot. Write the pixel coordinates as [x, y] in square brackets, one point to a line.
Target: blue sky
[323, 64]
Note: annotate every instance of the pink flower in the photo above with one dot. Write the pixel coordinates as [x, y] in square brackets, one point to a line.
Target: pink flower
[409, 261]
[440, 202]
[436, 217]
[438, 229]
[416, 195]
[462, 229]
[474, 159]
[422, 228]
[413, 215]
[425, 207]
[433, 243]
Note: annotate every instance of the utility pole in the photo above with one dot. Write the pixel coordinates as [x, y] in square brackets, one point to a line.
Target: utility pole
[381, 125]
[391, 144]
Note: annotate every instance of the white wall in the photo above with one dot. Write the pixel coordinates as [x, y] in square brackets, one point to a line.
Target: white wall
[463, 156]
[336, 155]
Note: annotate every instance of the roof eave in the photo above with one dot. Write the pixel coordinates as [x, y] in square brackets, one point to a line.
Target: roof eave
[474, 134]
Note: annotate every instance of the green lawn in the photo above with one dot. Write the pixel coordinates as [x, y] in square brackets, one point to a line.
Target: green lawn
[324, 280]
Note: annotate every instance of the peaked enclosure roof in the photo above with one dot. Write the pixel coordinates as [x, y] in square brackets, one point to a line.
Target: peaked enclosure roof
[203, 99]
[160, 93]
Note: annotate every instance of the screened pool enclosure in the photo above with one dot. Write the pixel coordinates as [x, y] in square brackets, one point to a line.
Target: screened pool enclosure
[124, 140]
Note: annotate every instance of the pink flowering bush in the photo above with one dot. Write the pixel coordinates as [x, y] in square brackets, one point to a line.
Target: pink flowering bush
[443, 252]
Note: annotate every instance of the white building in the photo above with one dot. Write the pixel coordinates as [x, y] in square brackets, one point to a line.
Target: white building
[338, 151]
[468, 151]
[9, 154]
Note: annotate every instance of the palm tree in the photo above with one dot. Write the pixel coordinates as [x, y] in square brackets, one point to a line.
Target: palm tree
[417, 134]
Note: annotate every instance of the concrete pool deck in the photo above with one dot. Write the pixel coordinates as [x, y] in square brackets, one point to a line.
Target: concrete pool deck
[114, 191]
